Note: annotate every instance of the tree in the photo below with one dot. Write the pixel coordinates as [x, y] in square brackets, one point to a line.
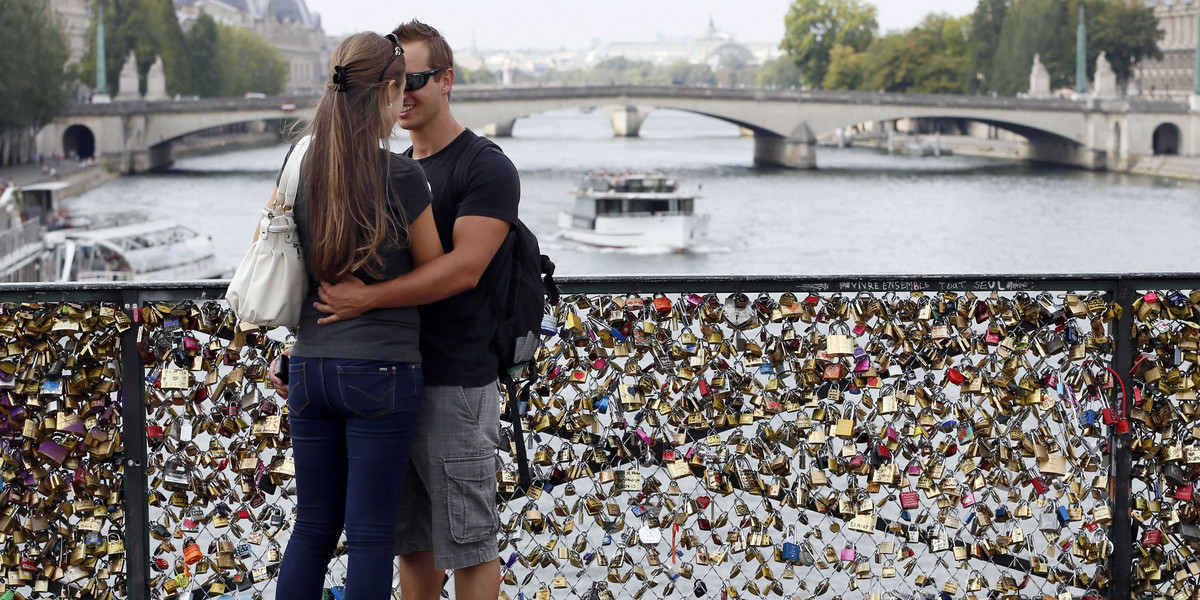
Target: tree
[779, 72]
[248, 63]
[170, 44]
[1034, 27]
[847, 68]
[986, 25]
[148, 28]
[481, 76]
[1128, 33]
[685, 73]
[813, 27]
[202, 46]
[35, 87]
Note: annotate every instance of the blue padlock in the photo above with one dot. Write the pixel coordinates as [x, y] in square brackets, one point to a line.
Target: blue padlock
[1001, 513]
[1087, 418]
[1063, 515]
[791, 552]
[602, 405]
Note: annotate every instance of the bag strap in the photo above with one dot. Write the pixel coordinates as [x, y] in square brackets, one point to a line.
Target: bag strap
[285, 198]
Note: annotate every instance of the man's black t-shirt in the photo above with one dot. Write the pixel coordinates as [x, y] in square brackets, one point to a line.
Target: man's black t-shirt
[456, 333]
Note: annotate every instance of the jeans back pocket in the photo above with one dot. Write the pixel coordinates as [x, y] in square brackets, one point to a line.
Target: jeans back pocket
[368, 392]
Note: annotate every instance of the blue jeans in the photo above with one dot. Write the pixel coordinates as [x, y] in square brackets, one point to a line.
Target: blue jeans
[352, 426]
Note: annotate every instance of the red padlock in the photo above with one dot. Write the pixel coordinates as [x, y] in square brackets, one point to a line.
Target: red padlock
[1122, 427]
[1108, 416]
[955, 376]
[1183, 492]
[1152, 537]
[1039, 485]
[909, 500]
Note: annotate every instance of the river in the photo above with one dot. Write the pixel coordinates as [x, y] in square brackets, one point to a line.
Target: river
[861, 212]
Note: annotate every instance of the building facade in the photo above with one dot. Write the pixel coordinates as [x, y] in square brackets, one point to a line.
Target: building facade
[76, 18]
[1173, 77]
[287, 24]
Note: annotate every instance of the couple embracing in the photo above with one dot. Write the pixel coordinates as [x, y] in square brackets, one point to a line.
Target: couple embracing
[391, 386]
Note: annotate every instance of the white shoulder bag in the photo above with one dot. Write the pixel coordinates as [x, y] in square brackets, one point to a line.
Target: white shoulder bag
[269, 285]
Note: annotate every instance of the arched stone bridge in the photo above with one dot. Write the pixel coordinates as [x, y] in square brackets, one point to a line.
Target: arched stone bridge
[137, 135]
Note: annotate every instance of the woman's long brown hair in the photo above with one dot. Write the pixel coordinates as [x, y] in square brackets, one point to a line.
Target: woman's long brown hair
[349, 173]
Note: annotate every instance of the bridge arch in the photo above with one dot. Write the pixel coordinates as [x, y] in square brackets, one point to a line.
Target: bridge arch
[1167, 139]
[80, 141]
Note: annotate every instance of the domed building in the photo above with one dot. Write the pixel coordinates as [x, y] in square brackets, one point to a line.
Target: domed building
[288, 24]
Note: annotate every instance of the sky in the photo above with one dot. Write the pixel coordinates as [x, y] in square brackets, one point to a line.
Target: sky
[529, 24]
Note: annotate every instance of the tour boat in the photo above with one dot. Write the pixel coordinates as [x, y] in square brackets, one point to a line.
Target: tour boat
[146, 251]
[633, 211]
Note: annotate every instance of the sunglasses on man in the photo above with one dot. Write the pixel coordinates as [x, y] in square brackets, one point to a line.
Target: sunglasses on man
[416, 81]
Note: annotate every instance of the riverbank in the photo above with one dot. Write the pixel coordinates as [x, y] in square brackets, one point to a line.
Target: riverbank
[1174, 167]
[85, 176]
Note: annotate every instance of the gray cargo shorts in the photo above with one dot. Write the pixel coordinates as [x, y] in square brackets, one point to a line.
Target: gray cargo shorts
[449, 499]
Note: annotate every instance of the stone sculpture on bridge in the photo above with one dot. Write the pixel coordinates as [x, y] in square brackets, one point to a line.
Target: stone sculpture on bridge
[156, 82]
[127, 82]
[1106, 80]
[1039, 79]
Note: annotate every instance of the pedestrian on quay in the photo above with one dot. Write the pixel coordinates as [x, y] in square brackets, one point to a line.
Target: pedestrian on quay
[448, 517]
[356, 385]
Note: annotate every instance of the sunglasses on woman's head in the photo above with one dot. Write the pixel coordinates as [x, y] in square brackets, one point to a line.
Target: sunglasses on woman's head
[416, 81]
[391, 37]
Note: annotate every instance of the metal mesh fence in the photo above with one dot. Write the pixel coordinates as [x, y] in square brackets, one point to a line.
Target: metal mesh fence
[62, 511]
[1161, 412]
[870, 444]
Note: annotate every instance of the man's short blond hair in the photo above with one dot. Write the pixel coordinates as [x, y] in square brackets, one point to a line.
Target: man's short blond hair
[440, 54]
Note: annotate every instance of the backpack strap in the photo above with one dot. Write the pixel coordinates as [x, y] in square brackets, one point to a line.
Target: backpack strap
[514, 417]
[460, 177]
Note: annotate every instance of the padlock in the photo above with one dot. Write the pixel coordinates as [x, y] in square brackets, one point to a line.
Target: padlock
[848, 554]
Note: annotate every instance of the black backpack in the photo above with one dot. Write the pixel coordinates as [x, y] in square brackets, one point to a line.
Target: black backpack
[518, 302]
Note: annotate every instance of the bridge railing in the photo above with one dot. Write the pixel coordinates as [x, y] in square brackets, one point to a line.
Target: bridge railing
[963, 436]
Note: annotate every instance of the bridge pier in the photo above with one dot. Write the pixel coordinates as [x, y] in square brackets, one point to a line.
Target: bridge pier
[627, 120]
[500, 129]
[1066, 153]
[797, 151]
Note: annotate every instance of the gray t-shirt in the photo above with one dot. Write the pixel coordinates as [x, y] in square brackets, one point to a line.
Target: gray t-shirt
[388, 334]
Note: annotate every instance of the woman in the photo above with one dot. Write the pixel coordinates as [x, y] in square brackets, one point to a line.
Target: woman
[355, 386]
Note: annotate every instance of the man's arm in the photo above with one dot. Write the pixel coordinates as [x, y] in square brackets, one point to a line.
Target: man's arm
[476, 240]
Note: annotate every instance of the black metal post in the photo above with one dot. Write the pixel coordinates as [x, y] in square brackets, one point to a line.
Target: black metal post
[133, 414]
[1121, 560]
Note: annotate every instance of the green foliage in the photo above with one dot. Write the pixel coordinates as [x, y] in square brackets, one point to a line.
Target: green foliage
[930, 58]
[613, 71]
[813, 27]
[847, 68]
[1034, 27]
[986, 25]
[202, 45]
[1122, 29]
[685, 73]
[1125, 30]
[34, 85]
[780, 72]
[248, 63]
[480, 76]
[149, 29]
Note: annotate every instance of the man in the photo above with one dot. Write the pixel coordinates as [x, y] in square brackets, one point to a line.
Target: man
[448, 516]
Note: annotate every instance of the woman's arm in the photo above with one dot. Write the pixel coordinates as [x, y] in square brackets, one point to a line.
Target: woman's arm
[424, 244]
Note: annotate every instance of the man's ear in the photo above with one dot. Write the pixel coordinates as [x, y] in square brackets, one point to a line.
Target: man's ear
[447, 80]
